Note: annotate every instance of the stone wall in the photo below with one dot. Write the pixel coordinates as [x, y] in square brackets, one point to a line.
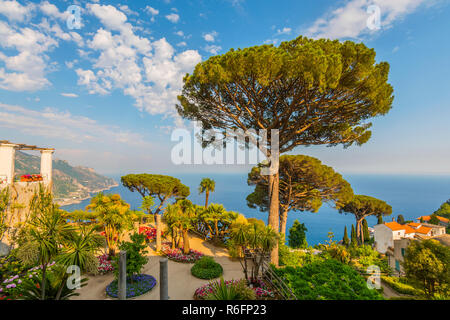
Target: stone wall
[19, 209]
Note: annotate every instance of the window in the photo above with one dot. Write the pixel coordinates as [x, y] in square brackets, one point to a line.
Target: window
[403, 252]
[397, 265]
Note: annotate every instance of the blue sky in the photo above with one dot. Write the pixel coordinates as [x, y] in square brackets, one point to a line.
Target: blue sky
[103, 95]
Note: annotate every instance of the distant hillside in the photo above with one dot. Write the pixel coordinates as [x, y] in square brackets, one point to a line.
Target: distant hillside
[70, 184]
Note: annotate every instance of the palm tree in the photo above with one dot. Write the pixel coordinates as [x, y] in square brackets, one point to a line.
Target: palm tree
[207, 185]
[214, 214]
[48, 229]
[79, 250]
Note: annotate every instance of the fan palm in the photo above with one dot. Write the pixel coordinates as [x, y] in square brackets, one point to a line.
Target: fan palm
[206, 185]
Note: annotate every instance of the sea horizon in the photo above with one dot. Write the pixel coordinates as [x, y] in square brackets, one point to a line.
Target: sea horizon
[410, 195]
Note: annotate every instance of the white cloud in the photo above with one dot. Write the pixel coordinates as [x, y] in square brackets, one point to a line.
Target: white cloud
[52, 11]
[180, 33]
[152, 11]
[213, 49]
[26, 70]
[285, 30]
[150, 72]
[182, 44]
[69, 95]
[210, 37]
[14, 11]
[173, 17]
[51, 123]
[350, 20]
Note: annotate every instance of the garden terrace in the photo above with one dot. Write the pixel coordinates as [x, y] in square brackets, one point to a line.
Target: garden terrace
[7, 158]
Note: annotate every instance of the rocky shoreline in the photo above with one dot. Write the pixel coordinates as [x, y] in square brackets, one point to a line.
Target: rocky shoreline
[69, 201]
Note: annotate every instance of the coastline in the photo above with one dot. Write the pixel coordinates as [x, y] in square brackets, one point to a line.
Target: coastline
[68, 202]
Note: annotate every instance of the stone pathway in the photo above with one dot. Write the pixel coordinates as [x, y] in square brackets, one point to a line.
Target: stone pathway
[182, 284]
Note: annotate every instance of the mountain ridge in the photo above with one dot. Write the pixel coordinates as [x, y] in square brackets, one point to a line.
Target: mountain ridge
[71, 184]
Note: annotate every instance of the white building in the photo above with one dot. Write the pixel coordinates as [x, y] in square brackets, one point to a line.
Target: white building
[385, 234]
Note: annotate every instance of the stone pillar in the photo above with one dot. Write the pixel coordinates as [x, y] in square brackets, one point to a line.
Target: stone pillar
[163, 279]
[7, 154]
[158, 232]
[122, 281]
[46, 166]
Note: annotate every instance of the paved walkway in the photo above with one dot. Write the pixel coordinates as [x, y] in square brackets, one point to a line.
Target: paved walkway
[182, 284]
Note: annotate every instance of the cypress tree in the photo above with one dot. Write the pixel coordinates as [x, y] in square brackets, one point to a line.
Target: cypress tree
[366, 231]
[380, 219]
[354, 241]
[400, 219]
[345, 240]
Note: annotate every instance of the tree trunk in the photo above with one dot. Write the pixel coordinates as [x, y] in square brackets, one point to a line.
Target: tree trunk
[44, 269]
[186, 241]
[274, 213]
[283, 222]
[216, 228]
[158, 232]
[359, 231]
[207, 196]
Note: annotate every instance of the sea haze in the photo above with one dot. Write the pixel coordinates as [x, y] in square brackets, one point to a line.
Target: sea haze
[411, 196]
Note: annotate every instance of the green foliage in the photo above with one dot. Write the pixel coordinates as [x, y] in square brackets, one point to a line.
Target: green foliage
[223, 292]
[56, 288]
[114, 215]
[426, 265]
[297, 235]
[434, 219]
[255, 239]
[327, 280]
[380, 219]
[362, 206]
[207, 185]
[444, 210]
[136, 259]
[354, 240]
[401, 286]
[305, 183]
[364, 256]
[400, 219]
[156, 185]
[249, 88]
[345, 239]
[206, 268]
[5, 199]
[366, 232]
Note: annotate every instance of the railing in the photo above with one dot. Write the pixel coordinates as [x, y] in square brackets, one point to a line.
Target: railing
[277, 284]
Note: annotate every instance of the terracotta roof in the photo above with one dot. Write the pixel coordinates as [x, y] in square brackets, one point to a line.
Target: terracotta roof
[394, 226]
[414, 224]
[442, 219]
[423, 230]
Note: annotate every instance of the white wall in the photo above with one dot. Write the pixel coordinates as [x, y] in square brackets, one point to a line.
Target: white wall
[383, 238]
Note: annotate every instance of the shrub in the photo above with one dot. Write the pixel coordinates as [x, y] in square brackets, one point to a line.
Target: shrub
[135, 255]
[288, 257]
[400, 285]
[206, 268]
[327, 280]
[240, 290]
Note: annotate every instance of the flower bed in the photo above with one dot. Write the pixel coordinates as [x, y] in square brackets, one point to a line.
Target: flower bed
[104, 265]
[141, 284]
[10, 286]
[30, 177]
[261, 290]
[178, 255]
[149, 232]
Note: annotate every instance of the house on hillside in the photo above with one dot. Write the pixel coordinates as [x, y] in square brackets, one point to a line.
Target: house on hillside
[392, 239]
[385, 234]
[442, 221]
